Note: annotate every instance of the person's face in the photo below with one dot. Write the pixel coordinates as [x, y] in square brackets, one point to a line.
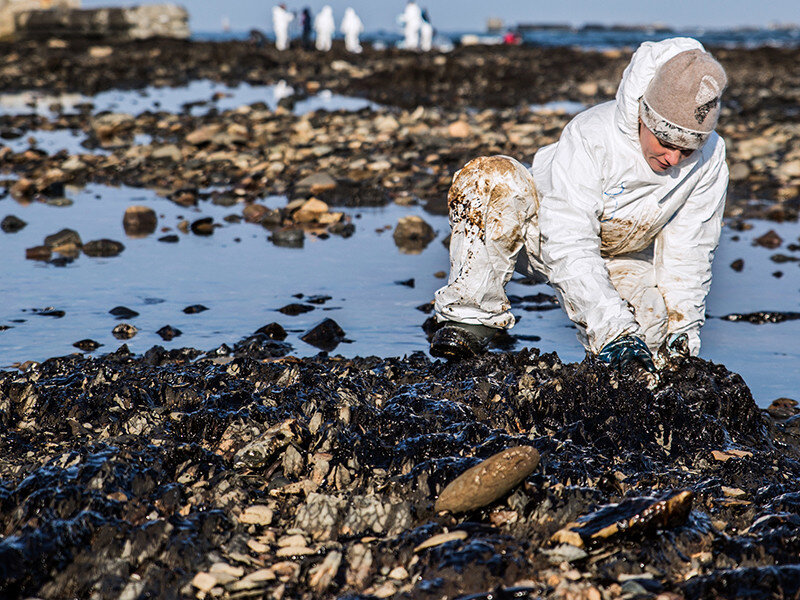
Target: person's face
[660, 155]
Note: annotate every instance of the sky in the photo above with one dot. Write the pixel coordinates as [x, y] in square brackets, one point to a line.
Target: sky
[461, 15]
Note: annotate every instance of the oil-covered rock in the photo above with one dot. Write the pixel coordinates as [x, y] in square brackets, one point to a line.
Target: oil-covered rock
[168, 475]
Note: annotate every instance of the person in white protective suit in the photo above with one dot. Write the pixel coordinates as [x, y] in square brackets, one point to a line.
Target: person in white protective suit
[621, 215]
[324, 28]
[280, 23]
[426, 33]
[412, 22]
[351, 27]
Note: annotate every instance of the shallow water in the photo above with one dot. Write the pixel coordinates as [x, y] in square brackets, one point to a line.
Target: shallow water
[202, 95]
[243, 279]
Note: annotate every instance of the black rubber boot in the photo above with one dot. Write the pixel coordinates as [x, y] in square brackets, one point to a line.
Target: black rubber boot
[456, 341]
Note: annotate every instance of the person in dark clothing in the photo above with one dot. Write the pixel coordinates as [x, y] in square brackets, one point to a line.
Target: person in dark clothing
[305, 22]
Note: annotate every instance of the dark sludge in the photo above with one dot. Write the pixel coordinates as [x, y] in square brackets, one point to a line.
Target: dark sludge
[177, 474]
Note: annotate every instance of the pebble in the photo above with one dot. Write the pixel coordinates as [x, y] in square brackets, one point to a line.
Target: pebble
[325, 335]
[441, 538]
[412, 234]
[12, 224]
[124, 331]
[139, 221]
[103, 248]
[194, 309]
[258, 514]
[168, 333]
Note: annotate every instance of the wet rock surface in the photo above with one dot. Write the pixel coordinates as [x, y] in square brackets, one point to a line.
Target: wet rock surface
[407, 151]
[174, 475]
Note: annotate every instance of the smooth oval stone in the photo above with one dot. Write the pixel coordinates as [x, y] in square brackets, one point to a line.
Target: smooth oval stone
[139, 221]
[489, 480]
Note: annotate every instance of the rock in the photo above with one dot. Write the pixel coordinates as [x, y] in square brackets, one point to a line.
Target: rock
[103, 248]
[489, 480]
[194, 309]
[759, 318]
[273, 331]
[73, 164]
[588, 88]
[359, 561]
[769, 240]
[386, 124]
[295, 309]
[203, 134]
[169, 239]
[168, 333]
[325, 335]
[12, 224]
[204, 226]
[87, 345]
[204, 581]
[315, 184]
[288, 238]
[321, 576]
[312, 210]
[367, 514]
[632, 516]
[63, 237]
[737, 265]
[783, 408]
[739, 171]
[258, 514]
[139, 221]
[168, 152]
[123, 312]
[412, 234]
[789, 170]
[124, 331]
[407, 282]
[459, 129]
[254, 213]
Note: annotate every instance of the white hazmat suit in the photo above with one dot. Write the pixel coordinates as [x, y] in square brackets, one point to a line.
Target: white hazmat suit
[280, 23]
[351, 27]
[425, 35]
[627, 250]
[324, 28]
[412, 22]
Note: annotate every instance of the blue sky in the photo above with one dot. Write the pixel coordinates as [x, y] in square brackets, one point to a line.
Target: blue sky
[458, 15]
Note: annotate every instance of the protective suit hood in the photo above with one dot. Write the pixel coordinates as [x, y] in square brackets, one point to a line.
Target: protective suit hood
[638, 74]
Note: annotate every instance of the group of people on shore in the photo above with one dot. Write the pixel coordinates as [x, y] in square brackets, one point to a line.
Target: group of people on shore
[417, 29]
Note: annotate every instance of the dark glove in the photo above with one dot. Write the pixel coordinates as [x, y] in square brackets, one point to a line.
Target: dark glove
[625, 349]
[678, 345]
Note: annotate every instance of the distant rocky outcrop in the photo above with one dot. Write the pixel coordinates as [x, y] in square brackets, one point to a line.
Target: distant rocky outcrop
[31, 19]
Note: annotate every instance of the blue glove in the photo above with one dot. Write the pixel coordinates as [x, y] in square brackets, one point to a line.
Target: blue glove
[625, 349]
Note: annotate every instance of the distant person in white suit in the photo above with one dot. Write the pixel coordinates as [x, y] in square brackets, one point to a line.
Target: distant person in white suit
[280, 23]
[351, 27]
[412, 22]
[324, 28]
[426, 33]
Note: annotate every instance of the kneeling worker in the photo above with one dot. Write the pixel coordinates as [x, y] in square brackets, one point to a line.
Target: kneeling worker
[621, 215]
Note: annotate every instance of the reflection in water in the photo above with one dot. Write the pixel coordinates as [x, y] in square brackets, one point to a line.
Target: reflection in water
[243, 278]
[198, 97]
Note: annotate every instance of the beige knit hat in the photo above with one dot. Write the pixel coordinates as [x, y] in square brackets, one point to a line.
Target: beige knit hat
[681, 104]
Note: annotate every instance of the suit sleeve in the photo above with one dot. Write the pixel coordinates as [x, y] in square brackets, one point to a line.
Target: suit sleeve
[569, 221]
[685, 249]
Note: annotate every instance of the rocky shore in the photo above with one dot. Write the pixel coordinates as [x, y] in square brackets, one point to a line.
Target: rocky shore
[180, 475]
[246, 473]
[440, 110]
